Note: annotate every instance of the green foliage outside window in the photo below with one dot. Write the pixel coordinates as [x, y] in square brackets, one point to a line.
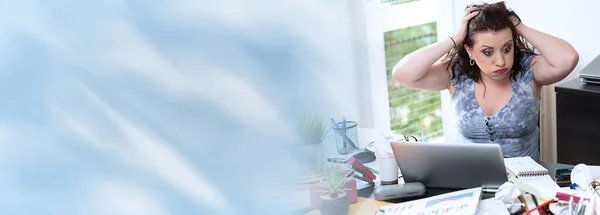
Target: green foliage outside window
[412, 112]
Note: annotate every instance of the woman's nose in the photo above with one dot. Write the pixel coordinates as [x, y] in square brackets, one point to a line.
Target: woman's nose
[500, 61]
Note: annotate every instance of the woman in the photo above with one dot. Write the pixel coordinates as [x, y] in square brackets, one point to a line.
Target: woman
[494, 79]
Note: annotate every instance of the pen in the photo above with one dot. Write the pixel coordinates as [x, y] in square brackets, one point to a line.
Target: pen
[571, 205]
[582, 211]
[344, 136]
[578, 210]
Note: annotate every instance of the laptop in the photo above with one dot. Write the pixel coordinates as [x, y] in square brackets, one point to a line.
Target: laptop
[451, 165]
[591, 72]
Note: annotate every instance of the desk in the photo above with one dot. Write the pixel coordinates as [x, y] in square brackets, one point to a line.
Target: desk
[368, 205]
[363, 206]
[577, 119]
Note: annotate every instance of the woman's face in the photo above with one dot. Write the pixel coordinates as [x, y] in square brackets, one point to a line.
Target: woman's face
[493, 52]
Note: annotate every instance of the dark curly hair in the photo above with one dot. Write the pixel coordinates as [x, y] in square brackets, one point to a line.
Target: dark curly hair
[491, 17]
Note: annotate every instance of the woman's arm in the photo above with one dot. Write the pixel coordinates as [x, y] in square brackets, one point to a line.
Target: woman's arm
[423, 69]
[558, 58]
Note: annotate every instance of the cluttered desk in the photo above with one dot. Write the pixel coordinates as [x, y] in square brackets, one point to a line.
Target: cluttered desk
[430, 178]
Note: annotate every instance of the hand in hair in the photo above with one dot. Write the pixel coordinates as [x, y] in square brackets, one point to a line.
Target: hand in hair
[462, 32]
[515, 20]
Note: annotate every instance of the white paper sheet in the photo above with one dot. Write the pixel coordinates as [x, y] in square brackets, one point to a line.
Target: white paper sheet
[491, 206]
[463, 202]
[541, 182]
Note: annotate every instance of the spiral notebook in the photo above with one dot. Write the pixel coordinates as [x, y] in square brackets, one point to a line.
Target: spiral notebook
[531, 172]
[524, 167]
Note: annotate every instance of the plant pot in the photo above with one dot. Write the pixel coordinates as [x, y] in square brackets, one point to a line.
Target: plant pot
[336, 206]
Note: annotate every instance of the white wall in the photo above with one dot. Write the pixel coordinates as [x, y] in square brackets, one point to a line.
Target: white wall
[341, 65]
[376, 56]
[573, 21]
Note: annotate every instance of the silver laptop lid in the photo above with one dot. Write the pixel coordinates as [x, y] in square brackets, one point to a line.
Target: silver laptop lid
[592, 70]
[591, 81]
[451, 165]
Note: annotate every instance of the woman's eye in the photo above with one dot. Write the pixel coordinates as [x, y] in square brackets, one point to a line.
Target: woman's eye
[507, 49]
[487, 53]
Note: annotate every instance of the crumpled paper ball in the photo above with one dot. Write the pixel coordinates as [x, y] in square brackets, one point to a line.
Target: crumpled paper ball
[509, 194]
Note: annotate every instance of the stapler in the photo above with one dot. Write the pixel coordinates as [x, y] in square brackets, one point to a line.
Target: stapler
[363, 173]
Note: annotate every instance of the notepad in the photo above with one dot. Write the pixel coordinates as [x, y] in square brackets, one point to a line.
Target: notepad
[524, 167]
[532, 177]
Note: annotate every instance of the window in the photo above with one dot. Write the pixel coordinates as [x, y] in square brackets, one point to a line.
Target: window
[396, 28]
[412, 112]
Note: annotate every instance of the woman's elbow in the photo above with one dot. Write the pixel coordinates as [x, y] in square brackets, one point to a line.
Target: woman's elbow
[398, 72]
[570, 62]
[574, 59]
[405, 76]
[567, 65]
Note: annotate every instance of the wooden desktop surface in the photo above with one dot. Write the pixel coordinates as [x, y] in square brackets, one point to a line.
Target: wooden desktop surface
[362, 206]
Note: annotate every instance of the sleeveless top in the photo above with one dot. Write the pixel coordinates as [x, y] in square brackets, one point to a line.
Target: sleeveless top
[514, 127]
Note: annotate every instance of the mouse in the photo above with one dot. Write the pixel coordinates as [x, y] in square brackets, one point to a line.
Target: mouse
[364, 156]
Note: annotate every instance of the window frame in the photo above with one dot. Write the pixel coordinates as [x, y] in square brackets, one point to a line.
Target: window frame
[377, 19]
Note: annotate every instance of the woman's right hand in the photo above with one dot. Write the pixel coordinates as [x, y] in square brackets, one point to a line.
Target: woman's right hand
[462, 32]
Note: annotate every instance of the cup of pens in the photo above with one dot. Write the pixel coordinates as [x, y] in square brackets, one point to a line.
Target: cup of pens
[346, 136]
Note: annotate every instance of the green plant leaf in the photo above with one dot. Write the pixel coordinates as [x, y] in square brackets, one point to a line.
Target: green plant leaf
[312, 129]
[335, 179]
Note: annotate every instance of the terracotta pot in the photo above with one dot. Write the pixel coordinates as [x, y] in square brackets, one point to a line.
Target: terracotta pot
[336, 206]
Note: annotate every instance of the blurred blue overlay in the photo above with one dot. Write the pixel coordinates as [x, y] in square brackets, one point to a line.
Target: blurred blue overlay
[163, 107]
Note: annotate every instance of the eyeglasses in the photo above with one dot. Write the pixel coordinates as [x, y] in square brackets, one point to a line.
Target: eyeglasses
[407, 138]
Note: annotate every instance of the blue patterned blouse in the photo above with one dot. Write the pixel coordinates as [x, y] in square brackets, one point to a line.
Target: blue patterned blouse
[514, 127]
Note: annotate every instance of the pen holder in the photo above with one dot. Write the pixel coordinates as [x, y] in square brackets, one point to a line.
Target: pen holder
[346, 137]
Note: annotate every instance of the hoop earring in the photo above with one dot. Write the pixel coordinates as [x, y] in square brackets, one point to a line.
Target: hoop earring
[472, 62]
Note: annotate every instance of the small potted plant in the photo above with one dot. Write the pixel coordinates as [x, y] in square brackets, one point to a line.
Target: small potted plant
[312, 131]
[334, 200]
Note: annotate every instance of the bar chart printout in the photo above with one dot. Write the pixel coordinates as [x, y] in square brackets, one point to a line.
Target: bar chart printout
[463, 202]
